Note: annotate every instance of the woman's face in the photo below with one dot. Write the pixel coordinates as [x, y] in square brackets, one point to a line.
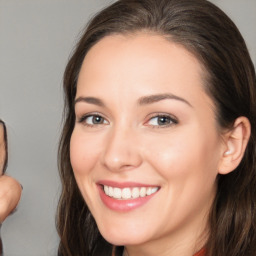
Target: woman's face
[145, 133]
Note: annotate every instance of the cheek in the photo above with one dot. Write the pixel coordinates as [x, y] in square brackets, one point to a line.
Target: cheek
[188, 170]
[184, 155]
[83, 153]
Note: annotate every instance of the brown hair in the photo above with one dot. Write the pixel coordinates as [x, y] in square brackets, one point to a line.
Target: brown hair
[213, 38]
[5, 146]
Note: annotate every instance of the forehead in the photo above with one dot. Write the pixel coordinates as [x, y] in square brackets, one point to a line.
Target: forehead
[139, 51]
[142, 61]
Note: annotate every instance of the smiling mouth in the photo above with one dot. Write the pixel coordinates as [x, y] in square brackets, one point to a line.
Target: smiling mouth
[129, 193]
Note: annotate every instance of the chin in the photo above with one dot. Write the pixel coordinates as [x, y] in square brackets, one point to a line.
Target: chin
[123, 236]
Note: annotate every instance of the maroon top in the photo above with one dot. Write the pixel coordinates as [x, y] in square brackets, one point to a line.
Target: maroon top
[200, 253]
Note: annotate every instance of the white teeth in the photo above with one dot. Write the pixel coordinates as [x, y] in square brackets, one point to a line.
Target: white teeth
[135, 192]
[110, 191]
[129, 193]
[153, 190]
[117, 193]
[126, 193]
[148, 191]
[106, 190]
[143, 192]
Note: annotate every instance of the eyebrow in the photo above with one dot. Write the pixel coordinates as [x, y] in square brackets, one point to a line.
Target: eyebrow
[145, 100]
[90, 100]
[158, 97]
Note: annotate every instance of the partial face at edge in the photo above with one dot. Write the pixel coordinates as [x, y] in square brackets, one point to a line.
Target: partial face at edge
[143, 120]
[2, 148]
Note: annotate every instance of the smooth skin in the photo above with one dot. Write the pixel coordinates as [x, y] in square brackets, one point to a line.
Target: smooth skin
[142, 115]
[10, 189]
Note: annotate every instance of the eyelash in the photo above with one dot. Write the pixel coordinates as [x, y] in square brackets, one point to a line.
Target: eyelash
[169, 118]
[93, 115]
[173, 120]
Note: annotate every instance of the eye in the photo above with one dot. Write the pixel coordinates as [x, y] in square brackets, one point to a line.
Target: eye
[92, 120]
[162, 120]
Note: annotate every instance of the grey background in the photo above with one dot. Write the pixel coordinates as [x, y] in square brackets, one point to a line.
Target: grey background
[36, 38]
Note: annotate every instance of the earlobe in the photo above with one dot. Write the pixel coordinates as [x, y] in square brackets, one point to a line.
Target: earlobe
[235, 142]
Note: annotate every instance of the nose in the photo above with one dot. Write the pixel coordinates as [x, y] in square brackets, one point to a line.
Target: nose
[122, 150]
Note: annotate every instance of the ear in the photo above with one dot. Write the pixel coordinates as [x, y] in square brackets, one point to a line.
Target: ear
[235, 142]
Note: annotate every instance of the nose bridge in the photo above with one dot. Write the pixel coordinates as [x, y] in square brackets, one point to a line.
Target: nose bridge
[121, 150]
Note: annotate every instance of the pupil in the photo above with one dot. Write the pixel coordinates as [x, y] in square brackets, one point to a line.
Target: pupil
[97, 120]
[163, 120]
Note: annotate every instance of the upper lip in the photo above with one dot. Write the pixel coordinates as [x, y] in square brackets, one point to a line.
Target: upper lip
[124, 184]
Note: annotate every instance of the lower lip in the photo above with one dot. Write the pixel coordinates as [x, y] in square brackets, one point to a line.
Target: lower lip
[123, 205]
